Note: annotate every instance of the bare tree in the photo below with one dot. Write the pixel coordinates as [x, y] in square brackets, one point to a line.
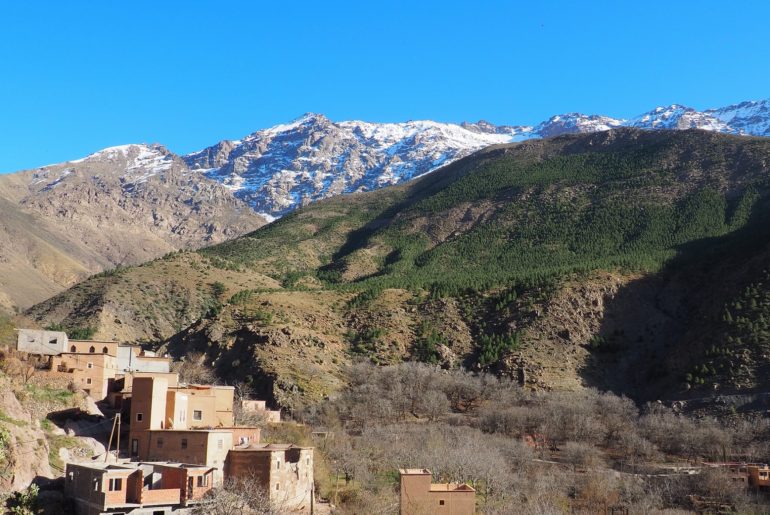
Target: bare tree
[194, 370]
[240, 495]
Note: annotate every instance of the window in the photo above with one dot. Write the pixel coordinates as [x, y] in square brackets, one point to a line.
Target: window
[92, 349]
[197, 414]
[278, 464]
[220, 444]
[96, 485]
[90, 365]
[116, 484]
[88, 380]
[73, 349]
[53, 341]
[159, 442]
[139, 417]
[277, 486]
[203, 481]
[104, 350]
[134, 447]
[71, 476]
[441, 502]
[184, 443]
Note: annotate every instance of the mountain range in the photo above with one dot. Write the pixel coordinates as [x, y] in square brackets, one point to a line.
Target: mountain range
[124, 205]
[629, 260]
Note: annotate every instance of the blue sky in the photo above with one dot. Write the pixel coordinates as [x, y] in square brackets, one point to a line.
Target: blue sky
[80, 76]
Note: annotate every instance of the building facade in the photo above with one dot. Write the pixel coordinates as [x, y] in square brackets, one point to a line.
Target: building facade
[136, 488]
[421, 497]
[47, 343]
[285, 472]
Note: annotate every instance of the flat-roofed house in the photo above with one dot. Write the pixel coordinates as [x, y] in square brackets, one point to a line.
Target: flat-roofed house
[419, 496]
[131, 358]
[48, 343]
[285, 471]
[94, 373]
[165, 424]
[136, 488]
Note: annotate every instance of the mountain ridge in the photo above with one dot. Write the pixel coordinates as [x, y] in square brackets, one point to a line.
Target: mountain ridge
[579, 260]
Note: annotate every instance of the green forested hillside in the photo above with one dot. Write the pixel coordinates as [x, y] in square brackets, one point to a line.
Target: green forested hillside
[524, 258]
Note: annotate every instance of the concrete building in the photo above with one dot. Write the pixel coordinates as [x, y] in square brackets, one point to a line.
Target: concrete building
[186, 424]
[285, 472]
[92, 347]
[48, 343]
[136, 488]
[131, 358]
[421, 497]
[255, 406]
[157, 405]
[94, 373]
[122, 387]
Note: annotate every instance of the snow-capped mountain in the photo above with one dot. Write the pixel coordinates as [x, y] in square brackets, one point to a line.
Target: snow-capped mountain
[280, 168]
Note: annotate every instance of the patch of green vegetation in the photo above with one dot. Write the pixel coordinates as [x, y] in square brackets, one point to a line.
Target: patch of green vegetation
[74, 333]
[4, 417]
[49, 394]
[493, 346]
[57, 442]
[426, 343]
[366, 341]
[5, 443]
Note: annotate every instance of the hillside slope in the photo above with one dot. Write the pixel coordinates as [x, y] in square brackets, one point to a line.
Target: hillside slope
[120, 206]
[579, 260]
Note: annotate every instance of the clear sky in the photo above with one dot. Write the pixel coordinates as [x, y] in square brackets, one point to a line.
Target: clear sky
[77, 76]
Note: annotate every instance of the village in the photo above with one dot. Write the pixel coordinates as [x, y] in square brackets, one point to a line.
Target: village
[171, 445]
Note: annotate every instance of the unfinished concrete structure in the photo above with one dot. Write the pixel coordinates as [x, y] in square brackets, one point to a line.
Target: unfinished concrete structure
[46, 343]
[421, 497]
[285, 471]
[136, 488]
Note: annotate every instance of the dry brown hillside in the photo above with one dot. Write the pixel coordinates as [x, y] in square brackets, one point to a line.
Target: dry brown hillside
[618, 260]
[123, 206]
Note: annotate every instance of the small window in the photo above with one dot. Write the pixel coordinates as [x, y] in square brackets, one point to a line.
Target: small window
[90, 365]
[104, 350]
[220, 444]
[277, 486]
[134, 447]
[278, 464]
[73, 349]
[53, 341]
[441, 502]
[88, 380]
[139, 417]
[92, 349]
[197, 414]
[160, 443]
[71, 476]
[203, 481]
[116, 484]
[184, 443]
[96, 485]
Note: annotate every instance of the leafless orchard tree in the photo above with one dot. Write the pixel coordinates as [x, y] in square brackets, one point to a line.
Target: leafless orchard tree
[240, 496]
[194, 370]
